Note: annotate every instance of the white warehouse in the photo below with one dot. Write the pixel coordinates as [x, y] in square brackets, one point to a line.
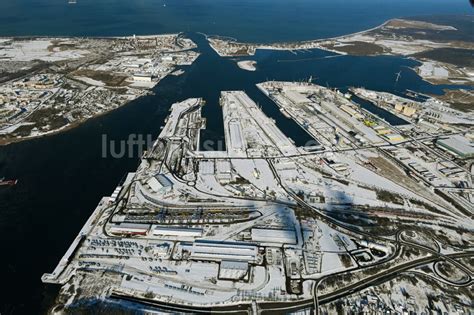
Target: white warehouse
[143, 77]
[177, 231]
[218, 251]
[130, 228]
[274, 236]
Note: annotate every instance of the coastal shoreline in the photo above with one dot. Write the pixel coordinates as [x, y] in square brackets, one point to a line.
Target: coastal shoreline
[53, 84]
[249, 49]
[420, 40]
[70, 126]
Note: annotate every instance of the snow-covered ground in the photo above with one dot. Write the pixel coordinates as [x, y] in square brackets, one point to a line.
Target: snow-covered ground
[248, 65]
[37, 49]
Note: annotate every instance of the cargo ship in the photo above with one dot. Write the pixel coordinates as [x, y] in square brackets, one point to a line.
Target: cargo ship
[10, 182]
[285, 113]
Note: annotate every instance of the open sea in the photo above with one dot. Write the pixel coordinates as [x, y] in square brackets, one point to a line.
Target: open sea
[62, 177]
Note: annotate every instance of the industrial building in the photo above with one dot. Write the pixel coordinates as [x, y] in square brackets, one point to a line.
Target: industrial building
[160, 183]
[177, 231]
[274, 236]
[406, 109]
[219, 251]
[457, 145]
[236, 139]
[233, 270]
[372, 245]
[223, 170]
[130, 228]
[143, 77]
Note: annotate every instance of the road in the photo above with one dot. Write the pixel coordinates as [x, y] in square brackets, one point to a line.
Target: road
[379, 278]
[360, 285]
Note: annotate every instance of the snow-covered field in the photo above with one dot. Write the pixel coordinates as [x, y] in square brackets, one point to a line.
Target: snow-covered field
[36, 49]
